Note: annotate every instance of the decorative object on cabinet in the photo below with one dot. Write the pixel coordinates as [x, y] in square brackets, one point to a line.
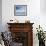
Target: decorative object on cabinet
[20, 10]
[13, 21]
[22, 33]
[27, 21]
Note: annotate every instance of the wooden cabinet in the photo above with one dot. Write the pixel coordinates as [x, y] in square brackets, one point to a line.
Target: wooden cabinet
[22, 33]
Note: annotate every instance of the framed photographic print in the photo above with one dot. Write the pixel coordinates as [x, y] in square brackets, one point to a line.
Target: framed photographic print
[20, 10]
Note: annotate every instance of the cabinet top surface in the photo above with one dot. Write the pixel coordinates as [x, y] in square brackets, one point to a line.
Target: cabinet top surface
[19, 23]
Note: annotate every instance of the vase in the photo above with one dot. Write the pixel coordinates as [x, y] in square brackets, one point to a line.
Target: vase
[41, 43]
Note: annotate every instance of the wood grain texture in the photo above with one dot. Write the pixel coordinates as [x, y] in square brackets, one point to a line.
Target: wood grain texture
[23, 27]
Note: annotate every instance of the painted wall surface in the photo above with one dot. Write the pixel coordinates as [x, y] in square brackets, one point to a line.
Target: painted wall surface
[43, 14]
[34, 14]
[0, 15]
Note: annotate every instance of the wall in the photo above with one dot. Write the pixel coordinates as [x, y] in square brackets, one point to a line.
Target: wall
[34, 14]
[43, 14]
[43, 6]
[0, 15]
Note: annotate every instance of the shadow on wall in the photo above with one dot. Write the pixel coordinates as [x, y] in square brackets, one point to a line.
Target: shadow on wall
[0, 15]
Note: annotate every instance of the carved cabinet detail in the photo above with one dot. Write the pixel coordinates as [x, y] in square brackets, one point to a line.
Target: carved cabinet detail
[22, 33]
